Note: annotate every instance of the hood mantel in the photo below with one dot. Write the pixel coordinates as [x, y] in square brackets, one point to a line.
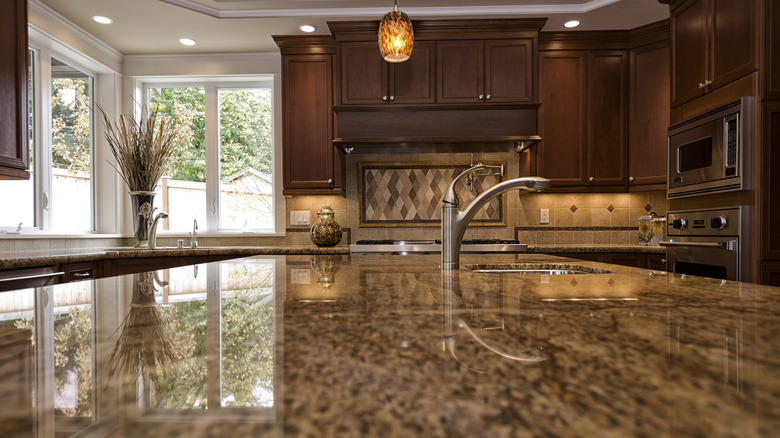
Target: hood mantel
[497, 126]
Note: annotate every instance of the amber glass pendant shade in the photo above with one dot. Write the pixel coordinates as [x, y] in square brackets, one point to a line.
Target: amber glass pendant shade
[396, 38]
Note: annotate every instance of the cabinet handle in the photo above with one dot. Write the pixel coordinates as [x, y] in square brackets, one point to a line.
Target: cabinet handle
[81, 274]
[487, 97]
[701, 85]
[384, 98]
[663, 261]
[591, 179]
[630, 179]
[707, 83]
[330, 181]
[481, 96]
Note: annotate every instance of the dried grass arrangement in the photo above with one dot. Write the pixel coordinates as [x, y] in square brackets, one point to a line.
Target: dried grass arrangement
[143, 346]
[142, 147]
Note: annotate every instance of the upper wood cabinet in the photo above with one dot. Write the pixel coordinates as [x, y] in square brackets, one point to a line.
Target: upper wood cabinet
[648, 114]
[583, 116]
[312, 164]
[367, 79]
[714, 42]
[14, 153]
[493, 71]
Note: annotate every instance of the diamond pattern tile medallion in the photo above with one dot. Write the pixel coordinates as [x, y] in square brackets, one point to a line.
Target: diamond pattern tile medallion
[410, 194]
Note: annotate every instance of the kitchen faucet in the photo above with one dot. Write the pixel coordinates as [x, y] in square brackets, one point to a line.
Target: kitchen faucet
[454, 221]
[194, 235]
[153, 227]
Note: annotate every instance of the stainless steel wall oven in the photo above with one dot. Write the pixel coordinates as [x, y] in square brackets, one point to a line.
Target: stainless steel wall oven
[707, 243]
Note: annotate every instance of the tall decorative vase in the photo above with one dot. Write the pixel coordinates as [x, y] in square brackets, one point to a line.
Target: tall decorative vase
[142, 207]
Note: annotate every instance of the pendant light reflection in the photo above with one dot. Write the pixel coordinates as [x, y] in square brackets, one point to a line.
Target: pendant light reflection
[396, 38]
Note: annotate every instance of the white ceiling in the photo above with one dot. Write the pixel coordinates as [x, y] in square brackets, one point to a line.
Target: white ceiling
[234, 26]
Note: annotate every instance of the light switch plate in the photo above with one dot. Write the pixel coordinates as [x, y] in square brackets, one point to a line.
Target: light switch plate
[299, 217]
[544, 216]
[300, 276]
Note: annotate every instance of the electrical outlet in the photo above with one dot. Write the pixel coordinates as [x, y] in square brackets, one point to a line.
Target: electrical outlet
[544, 216]
[299, 217]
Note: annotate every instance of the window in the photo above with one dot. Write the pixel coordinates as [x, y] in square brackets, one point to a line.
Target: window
[59, 196]
[229, 134]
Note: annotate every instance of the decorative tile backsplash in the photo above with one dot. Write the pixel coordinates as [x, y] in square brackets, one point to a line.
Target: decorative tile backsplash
[409, 194]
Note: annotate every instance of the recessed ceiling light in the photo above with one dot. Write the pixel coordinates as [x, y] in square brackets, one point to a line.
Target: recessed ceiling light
[102, 20]
[307, 28]
[572, 23]
[188, 41]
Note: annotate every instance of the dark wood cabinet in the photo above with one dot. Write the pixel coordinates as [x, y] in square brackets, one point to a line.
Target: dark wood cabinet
[584, 111]
[312, 164]
[563, 118]
[648, 115]
[656, 262]
[714, 42]
[635, 260]
[367, 79]
[485, 71]
[14, 152]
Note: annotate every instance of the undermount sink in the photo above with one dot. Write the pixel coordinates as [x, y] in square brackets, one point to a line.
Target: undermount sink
[536, 268]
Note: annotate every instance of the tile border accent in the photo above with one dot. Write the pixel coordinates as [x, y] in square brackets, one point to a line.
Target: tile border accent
[499, 221]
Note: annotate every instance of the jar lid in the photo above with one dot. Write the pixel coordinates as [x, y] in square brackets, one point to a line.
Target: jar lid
[326, 209]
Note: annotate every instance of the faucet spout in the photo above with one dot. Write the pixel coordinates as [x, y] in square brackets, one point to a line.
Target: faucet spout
[194, 236]
[153, 227]
[455, 221]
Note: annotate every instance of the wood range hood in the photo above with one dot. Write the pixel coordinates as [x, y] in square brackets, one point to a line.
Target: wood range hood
[437, 129]
[474, 88]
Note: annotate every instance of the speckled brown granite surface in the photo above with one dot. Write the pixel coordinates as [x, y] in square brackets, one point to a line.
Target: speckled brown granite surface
[365, 346]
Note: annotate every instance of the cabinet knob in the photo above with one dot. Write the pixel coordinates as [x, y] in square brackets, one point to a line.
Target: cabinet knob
[481, 96]
[384, 98]
[591, 179]
[487, 97]
[330, 181]
[707, 83]
[630, 179]
[701, 85]
[392, 98]
[663, 261]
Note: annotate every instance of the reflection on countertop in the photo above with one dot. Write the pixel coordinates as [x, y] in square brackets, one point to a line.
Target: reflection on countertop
[339, 345]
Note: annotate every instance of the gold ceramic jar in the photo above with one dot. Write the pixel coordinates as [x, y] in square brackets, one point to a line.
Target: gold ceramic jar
[325, 232]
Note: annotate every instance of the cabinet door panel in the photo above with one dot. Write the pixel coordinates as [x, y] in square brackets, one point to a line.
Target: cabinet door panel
[562, 154]
[509, 70]
[733, 37]
[363, 74]
[412, 81]
[459, 71]
[688, 51]
[14, 158]
[307, 118]
[648, 114]
[607, 114]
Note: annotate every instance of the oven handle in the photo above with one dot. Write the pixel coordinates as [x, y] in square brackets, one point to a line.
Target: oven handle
[730, 245]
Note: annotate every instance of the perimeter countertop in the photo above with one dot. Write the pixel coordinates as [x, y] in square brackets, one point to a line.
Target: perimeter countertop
[50, 257]
[337, 345]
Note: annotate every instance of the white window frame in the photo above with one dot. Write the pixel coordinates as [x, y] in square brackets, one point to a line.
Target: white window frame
[212, 84]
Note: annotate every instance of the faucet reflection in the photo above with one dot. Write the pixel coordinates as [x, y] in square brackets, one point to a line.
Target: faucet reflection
[455, 221]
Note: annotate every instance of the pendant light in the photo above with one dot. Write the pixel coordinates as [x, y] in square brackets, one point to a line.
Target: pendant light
[396, 38]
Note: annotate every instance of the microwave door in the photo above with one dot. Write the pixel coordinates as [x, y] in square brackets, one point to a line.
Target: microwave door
[697, 156]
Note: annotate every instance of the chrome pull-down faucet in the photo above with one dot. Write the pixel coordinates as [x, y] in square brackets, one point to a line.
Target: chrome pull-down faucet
[153, 227]
[455, 221]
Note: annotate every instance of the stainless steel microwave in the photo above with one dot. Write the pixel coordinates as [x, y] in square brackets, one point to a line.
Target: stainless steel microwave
[707, 154]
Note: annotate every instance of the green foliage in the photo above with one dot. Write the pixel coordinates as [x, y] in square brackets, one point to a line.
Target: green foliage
[245, 129]
[71, 124]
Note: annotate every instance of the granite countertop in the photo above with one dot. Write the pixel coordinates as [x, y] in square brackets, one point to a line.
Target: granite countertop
[27, 259]
[335, 345]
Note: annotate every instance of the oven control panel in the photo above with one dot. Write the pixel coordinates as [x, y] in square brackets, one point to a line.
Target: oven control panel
[719, 222]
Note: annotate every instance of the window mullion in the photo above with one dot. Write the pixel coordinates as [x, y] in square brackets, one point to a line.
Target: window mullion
[43, 158]
[212, 158]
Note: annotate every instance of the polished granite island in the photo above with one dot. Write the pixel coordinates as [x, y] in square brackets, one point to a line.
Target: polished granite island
[339, 345]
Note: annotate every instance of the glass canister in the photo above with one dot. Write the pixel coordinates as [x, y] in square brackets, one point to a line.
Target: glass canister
[645, 231]
[658, 229]
[325, 232]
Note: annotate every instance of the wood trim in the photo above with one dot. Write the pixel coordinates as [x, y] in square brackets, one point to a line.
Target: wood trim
[302, 45]
[492, 28]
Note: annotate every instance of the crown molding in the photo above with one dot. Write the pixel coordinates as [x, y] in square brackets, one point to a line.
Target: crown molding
[445, 11]
[36, 7]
